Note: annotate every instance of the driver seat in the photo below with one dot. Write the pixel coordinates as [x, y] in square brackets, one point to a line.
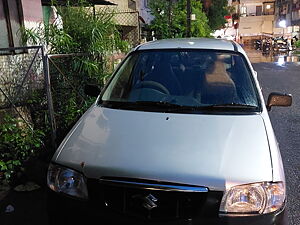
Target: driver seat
[163, 74]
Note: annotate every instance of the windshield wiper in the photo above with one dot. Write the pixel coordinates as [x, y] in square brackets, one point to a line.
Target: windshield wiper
[233, 105]
[172, 107]
[158, 103]
[168, 106]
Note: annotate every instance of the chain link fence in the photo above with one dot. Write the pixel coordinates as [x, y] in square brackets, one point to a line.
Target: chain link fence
[25, 128]
[21, 75]
[129, 27]
[47, 91]
[22, 86]
[41, 98]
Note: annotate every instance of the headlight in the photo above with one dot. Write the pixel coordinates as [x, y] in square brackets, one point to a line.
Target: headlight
[67, 181]
[257, 198]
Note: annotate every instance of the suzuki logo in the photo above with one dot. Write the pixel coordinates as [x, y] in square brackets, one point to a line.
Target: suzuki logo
[150, 202]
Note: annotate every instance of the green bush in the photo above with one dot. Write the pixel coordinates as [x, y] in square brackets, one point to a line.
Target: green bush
[297, 44]
[18, 144]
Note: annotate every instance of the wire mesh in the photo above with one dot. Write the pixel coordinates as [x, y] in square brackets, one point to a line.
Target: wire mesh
[24, 124]
[48, 91]
[21, 77]
[128, 22]
[67, 89]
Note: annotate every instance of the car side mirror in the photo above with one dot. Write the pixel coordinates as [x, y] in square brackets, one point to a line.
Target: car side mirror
[92, 90]
[279, 99]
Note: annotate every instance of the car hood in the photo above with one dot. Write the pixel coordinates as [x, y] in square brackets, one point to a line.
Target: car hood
[206, 150]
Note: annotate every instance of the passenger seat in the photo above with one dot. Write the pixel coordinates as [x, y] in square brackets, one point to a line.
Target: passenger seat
[218, 87]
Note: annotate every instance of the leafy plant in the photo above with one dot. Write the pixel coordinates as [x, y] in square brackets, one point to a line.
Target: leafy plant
[81, 32]
[297, 44]
[18, 144]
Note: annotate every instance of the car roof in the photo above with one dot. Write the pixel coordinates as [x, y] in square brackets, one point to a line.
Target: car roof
[192, 43]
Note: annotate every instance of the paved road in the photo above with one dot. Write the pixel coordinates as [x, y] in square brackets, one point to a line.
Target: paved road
[30, 207]
[286, 124]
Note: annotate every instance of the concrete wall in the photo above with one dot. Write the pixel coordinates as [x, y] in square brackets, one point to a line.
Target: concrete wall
[121, 4]
[256, 25]
[254, 1]
[33, 13]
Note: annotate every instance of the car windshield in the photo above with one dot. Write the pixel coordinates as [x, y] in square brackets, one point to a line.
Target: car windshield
[182, 80]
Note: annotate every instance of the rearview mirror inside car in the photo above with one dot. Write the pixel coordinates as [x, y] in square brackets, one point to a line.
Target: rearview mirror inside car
[279, 99]
[92, 90]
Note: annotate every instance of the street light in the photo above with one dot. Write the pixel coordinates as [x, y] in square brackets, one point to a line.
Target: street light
[282, 23]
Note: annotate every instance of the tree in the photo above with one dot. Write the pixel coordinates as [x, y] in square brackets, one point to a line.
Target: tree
[170, 19]
[162, 12]
[216, 13]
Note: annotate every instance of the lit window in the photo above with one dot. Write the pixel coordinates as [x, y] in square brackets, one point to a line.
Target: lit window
[269, 8]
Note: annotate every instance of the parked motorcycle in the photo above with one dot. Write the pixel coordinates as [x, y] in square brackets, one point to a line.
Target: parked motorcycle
[280, 44]
[257, 44]
[266, 45]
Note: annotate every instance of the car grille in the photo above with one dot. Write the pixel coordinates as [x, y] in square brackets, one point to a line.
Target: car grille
[147, 203]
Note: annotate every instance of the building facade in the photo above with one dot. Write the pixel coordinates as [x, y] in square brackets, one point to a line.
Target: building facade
[295, 16]
[257, 19]
[250, 20]
[13, 15]
[287, 15]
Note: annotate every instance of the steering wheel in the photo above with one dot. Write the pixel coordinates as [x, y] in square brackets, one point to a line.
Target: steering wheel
[154, 85]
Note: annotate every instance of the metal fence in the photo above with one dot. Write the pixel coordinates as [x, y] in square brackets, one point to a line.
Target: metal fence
[41, 98]
[20, 76]
[25, 93]
[46, 91]
[67, 92]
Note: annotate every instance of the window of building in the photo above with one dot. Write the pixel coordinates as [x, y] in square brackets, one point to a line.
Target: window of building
[258, 10]
[268, 8]
[283, 10]
[11, 19]
[296, 15]
[132, 4]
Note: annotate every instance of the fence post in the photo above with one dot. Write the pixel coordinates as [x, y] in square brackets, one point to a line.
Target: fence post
[49, 98]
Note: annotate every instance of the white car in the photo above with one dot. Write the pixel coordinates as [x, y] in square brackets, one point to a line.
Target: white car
[179, 135]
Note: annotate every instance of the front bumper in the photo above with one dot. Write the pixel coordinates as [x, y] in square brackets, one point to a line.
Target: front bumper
[65, 210]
